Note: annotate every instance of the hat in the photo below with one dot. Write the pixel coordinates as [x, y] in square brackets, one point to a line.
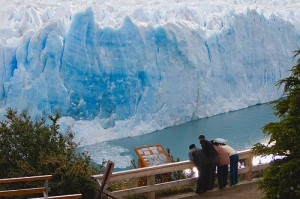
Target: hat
[220, 140]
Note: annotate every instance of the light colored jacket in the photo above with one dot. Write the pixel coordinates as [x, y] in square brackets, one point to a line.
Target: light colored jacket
[229, 150]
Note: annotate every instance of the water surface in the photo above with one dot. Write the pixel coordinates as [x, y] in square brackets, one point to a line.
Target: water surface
[242, 129]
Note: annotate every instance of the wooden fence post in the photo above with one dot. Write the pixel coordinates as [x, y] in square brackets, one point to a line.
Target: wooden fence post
[248, 164]
[151, 181]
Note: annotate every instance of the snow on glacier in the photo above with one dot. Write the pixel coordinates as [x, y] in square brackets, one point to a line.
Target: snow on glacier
[124, 68]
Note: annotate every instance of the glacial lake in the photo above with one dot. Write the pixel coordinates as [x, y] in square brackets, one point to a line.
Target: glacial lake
[242, 129]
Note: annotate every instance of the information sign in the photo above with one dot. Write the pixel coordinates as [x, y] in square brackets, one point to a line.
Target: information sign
[152, 155]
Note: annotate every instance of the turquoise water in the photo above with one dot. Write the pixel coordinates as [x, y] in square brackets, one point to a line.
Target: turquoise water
[242, 129]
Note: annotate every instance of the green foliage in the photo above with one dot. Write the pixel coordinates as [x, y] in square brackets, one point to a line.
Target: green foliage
[281, 179]
[176, 175]
[30, 148]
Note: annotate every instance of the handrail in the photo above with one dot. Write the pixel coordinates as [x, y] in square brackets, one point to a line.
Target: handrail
[146, 171]
[25, 179]
[23, 191]
[72, 196]
[29, 191]
[42, 190]
[149, 172]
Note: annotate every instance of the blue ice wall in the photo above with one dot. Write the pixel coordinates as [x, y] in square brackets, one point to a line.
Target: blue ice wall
[161, 75]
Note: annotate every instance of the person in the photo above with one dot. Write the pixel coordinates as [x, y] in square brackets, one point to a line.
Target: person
[198, 157]
[212, 157]
[222, 166]
[234, 162]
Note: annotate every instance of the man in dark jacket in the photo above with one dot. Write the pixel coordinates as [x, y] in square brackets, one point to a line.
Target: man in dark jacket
[201, 162]
[212, 157]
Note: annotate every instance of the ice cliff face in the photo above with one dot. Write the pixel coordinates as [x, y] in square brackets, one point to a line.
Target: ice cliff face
[121, 69]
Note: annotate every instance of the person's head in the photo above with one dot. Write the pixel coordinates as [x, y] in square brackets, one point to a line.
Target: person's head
[201, 137]
[214, 142]
[221, 141]
[192, 146]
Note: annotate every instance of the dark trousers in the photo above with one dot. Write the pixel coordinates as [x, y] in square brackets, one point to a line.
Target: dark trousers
[234, 170]
[222, 176]
[213, 176]
[203, 179]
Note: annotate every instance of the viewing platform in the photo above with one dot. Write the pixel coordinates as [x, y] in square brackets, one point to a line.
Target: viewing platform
[244, 189]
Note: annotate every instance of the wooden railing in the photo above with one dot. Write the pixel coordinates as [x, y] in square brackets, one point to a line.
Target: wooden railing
[43, 190]
[29, 191]
[149, 173]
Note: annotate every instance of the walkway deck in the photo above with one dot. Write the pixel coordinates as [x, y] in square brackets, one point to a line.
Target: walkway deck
[244, 190]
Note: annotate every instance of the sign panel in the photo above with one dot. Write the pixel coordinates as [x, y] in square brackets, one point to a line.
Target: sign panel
[152, 155]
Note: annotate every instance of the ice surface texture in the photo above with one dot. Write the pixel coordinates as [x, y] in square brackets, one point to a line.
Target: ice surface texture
[124, 68]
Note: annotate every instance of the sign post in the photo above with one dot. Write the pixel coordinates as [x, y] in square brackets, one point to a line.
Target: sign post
[107, 174]
[106, 177]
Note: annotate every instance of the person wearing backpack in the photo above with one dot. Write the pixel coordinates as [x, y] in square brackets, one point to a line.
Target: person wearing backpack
[199, 158]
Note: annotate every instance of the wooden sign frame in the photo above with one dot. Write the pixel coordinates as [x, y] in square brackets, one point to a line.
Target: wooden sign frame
[152, 155]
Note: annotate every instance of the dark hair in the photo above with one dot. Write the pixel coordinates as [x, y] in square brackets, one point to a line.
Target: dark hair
[214, 142]
[201, 137]
[192, 146]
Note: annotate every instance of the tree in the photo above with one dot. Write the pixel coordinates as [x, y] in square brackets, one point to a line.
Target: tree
[281, 179]
[30, 148]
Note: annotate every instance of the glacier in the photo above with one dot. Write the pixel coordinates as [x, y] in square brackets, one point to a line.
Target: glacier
[118, 68]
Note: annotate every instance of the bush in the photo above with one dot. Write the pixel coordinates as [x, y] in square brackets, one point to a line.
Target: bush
[30, 148]
[281, 178]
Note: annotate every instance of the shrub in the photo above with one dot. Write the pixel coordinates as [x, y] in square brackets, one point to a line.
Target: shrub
[280, 179]
[30, 148]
